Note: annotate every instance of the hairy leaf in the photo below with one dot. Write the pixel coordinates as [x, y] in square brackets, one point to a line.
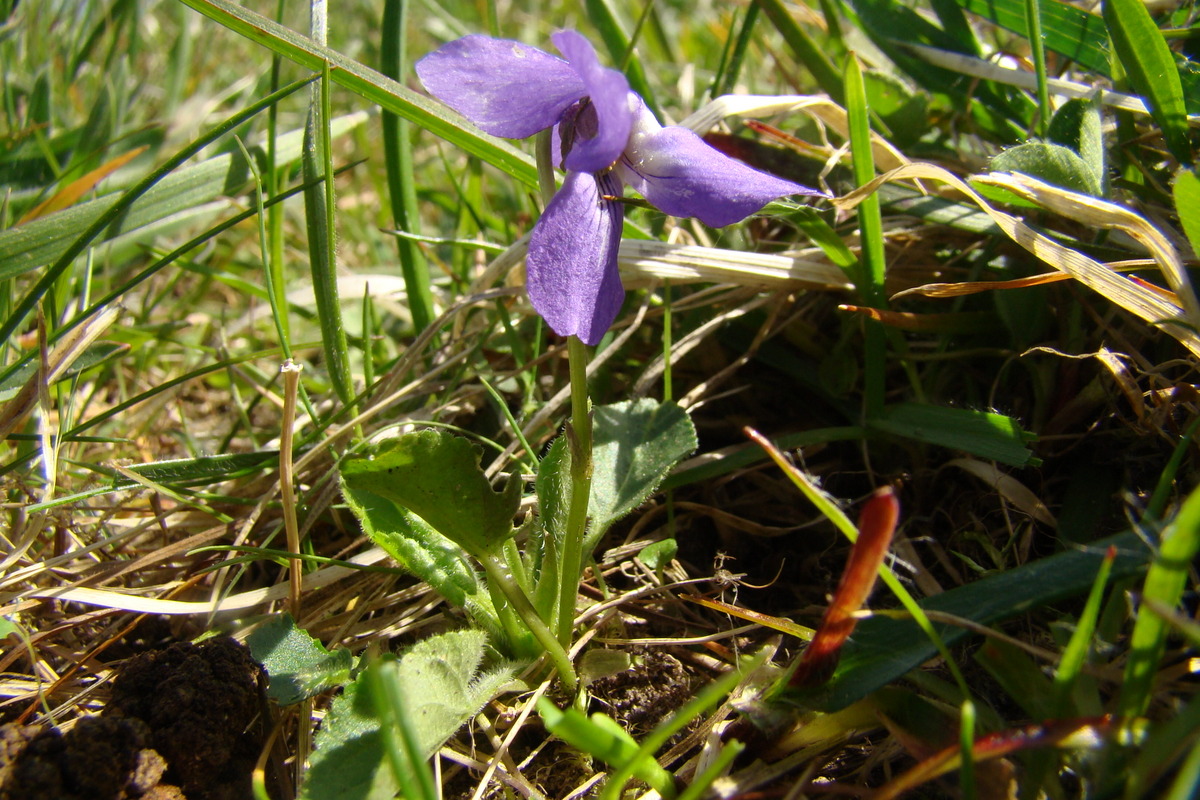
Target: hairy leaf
[298, 665]
[440, 681]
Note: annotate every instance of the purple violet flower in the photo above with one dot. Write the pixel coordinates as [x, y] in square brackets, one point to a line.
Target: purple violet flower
[605, 138]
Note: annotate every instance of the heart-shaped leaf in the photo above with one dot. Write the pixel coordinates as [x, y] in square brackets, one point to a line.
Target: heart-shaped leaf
[436, 475]
[635, 444]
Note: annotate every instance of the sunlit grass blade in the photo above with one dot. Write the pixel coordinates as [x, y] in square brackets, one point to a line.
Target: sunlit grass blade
[1070, 666]
[829, 508]
[1151, 70]
[705, 699]
[872, 266]
[1186, 192]
[180, 195]
[371, 85]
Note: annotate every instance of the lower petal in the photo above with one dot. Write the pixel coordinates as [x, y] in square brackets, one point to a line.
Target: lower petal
[571, 268]
[679, 174]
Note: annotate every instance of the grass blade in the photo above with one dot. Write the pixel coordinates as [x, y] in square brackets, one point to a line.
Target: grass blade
[807, 51]
[398, 156]
[1164, 583]
[319, 218]
[1067, 30]
[1151, 70]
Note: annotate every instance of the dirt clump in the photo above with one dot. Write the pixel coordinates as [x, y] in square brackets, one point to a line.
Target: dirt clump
[183, 723]
[100, 758]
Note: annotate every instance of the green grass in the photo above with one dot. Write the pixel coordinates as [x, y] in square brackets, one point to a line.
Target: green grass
[162, 225]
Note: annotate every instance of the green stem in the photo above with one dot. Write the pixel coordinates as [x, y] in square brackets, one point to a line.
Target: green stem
[1033, 23]
[579, 440]
[499, 577]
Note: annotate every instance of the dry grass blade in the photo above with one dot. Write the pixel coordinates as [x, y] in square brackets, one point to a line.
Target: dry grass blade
[1008, 487]
[1097, 213]
[1138, 300]
[242, 601]
[974, 287]
[76, 189]
[643, 261]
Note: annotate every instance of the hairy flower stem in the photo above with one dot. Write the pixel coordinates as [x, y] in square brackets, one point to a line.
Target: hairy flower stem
[579, 440]
[499, 576]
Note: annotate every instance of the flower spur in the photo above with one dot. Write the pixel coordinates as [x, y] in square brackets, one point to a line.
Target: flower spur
[604, 137]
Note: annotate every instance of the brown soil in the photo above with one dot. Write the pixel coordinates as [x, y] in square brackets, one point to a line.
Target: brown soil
[183, 723]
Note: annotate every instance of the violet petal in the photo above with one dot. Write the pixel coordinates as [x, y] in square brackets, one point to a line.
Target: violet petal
[505, 87]
[682, 176]
[571, 269]
[608, 91]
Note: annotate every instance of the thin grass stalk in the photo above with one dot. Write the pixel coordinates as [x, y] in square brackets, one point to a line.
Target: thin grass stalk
[870, 224]
[1033, 22]
[715, 90]
[368, 337]
[620, 47]
[709, 696]
[272, 272]
[1070, 666]
[637, 32]
[831, 511]
[399, 734]
[734, 68]
[287, 492]
[398, 161]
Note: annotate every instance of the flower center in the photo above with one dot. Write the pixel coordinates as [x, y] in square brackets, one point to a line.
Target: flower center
[578, 124]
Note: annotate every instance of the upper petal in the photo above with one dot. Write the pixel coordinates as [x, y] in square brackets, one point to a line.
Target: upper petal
[681, 175]
[571, 269]
[608, 91]
[506, 88]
